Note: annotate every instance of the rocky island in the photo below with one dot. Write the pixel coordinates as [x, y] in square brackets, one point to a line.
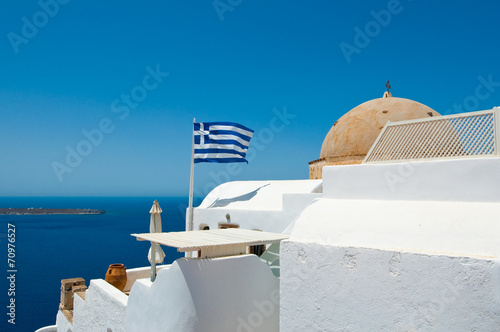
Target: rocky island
[33, 211]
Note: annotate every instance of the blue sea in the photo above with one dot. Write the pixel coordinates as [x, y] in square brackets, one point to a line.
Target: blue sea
[49, 248]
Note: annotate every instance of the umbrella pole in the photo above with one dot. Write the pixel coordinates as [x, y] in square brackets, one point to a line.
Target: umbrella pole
[153, 261]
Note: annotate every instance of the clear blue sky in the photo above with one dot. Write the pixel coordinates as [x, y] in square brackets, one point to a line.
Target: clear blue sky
[65, 72]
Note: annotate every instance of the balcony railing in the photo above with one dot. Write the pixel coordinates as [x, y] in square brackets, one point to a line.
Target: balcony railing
[466, 135]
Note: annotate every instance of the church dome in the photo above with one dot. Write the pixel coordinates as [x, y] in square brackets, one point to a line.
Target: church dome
[355, 132]
[352, 136]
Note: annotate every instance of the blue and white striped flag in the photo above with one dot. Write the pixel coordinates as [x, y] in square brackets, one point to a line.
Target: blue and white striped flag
[221, 142]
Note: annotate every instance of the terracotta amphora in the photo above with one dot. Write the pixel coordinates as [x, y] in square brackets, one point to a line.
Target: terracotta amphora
[117, 276]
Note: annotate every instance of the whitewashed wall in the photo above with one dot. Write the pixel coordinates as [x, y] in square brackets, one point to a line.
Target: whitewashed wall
[266, 205]
[397, 247]
[460, 180]
[140, 273]
[103, 309]
[328, 288]
[62, 323]
[228, 294]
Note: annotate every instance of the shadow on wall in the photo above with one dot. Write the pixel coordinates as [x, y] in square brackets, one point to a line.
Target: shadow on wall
[245, 197]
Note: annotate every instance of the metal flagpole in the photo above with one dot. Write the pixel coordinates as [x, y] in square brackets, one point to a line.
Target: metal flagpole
[190, 208]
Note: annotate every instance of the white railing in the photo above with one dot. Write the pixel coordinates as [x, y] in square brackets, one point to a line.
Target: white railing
[466, 135]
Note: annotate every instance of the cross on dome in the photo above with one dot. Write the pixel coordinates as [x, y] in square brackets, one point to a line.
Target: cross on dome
[387, 94]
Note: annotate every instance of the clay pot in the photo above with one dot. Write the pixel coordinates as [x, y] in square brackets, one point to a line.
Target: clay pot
[117, 276]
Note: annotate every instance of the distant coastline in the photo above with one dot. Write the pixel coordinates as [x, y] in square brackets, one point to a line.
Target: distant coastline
[33, 211]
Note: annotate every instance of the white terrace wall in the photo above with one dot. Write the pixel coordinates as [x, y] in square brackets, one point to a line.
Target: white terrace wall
[229, 294]
[62, 323]
[140, 273]
[104, 306]
[104, 309]
[330, 288]
[461, 180]
[421, 256]
[265, 205]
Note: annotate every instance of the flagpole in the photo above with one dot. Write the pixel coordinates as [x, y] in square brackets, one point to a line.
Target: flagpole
[191, 181]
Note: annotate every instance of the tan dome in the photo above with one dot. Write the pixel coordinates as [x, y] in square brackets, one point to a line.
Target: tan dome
[352, 136]
[355, 132]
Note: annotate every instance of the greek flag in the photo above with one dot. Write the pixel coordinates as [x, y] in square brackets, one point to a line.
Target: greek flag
[221, 142]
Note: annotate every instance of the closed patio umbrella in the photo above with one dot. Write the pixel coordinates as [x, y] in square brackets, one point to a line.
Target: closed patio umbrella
[155, 227]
